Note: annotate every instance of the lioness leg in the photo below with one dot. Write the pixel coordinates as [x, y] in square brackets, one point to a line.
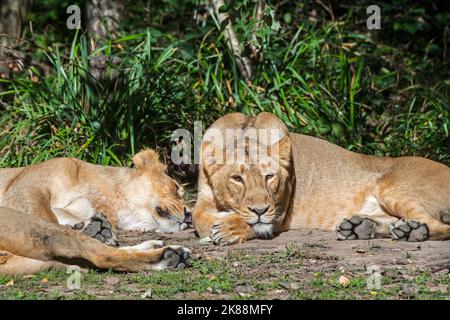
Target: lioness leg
[203, 218]
[32, 201]
[224, 228]
[416, 230]
[29, 236]
[36, 203]
[417, 191]
[418, 219]
[15, 265]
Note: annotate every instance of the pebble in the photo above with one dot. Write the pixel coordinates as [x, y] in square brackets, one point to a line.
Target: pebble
[205, 241]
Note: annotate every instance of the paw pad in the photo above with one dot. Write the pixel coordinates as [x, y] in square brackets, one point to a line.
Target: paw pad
[98, 227]
[175, 258]
[356, 228]
[409, 230]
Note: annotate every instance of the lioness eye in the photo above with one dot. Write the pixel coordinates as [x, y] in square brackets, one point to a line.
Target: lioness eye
[269, 176]
[237, 178]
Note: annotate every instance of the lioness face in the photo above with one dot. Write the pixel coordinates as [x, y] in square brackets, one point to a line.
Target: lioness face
[257, 191]
[160, 199]
[169, 209]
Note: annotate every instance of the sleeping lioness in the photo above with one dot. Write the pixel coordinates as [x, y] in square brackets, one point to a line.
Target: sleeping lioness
[60, 211]
[301, 181]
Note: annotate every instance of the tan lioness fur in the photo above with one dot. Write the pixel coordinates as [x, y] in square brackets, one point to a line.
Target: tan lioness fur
[316, 184]
[40, 204]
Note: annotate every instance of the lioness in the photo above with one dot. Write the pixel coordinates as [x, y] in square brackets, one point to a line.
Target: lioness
[51, 212]
[308, 182]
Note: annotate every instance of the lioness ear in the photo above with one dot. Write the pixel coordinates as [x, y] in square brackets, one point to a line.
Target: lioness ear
[145, 158]
[283, 150]
[212, 157]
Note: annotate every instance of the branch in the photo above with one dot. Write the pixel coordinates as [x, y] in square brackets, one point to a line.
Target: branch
[244, 64]
[260, 12]
[258, 24]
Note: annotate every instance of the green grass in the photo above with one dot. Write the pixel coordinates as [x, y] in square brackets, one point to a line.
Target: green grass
[234, 276]
[330, 79]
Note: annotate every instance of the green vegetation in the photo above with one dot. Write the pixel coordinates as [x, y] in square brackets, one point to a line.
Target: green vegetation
[381, 92]
[234, 276]
[316, 66]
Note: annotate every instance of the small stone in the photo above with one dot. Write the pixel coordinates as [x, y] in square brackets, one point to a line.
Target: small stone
[205, 241]
[295, 286]
[245, 289]
[279, 291]
[147, 294]
[401, 261]
[439, 289]
[343, 281]
[112, 281]
[409, 290]
[442, 272]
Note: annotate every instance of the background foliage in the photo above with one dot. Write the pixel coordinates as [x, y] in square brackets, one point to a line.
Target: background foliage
[319, 68]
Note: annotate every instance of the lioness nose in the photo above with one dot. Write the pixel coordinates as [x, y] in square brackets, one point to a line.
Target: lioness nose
[259, 211]
[187, 216]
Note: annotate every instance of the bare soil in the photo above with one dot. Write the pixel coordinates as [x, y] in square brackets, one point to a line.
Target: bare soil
[386, 253]
[299, 264]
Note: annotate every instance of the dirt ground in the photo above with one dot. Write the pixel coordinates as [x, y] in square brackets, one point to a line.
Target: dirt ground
[350, 255]
[299, 264]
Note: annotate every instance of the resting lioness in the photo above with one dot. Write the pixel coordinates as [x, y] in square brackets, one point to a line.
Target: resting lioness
[308, 182]
[50, 213]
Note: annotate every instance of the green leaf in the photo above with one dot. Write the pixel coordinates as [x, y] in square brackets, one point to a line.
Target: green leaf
[287, 17]
[338, 130]
[224, 8]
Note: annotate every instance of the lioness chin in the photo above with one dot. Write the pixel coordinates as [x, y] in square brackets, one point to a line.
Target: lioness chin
[300, 181]
[60, 211]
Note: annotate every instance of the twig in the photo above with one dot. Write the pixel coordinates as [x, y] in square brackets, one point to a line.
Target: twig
[258, 24]
[243, 63]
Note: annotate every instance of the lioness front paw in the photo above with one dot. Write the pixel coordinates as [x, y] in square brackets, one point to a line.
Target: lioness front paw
[356, 228]
[98, 227]
[230, 230]
[409, 230]
[174, 257]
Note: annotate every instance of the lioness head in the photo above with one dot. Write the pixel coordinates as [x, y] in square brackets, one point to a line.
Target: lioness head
[157, 199]
[248, 164]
